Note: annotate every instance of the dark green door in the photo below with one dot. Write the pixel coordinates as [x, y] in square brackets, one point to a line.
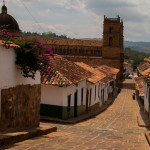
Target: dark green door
[75, 103]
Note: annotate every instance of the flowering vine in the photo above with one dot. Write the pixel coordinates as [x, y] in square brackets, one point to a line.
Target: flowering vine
[31, 55]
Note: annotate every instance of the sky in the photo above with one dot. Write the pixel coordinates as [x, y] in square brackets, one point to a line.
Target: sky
[81, 18]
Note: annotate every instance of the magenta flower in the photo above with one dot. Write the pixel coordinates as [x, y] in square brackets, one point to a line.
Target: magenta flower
[41, 45]
[48, 71]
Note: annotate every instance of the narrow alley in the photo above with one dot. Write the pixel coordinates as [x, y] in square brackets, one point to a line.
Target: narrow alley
[114, 129]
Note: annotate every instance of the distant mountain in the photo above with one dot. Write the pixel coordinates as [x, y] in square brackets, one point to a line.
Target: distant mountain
[137, 46]
[92, 39]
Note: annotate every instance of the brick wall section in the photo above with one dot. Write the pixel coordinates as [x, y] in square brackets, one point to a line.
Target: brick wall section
[20, 107]
[111, 52]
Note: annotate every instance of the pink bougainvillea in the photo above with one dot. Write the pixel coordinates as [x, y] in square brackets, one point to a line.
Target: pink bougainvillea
[31, 55]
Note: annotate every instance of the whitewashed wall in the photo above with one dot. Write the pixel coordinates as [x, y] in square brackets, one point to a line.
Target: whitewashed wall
[54, 95]
[70, 90]
[106, 89]
[146, 96]
[10, 75]
[94, 98]
[106, 92]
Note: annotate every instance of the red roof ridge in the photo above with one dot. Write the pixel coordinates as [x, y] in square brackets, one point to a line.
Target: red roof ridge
[96, 74]
[79, 42]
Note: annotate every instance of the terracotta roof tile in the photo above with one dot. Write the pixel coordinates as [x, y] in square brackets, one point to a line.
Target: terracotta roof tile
[139, 84]
[147, 59]
[144, 69]
[106, 80]
[73, 42]
[125, 63]
[96, 74]
[109, 72]
[8, 44]
[63, 72]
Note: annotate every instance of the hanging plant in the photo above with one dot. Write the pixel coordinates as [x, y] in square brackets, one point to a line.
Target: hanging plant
[31, 55]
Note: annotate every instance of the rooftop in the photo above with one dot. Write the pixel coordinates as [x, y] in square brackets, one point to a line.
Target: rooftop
[73, 42]
[139, 84]
[144, 69]
[63, 72]
[8, 44]
[96, 74]
[147, 59]
[109, 72]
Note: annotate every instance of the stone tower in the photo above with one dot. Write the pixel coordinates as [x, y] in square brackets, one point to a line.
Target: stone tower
[112, 38]
[113, 42]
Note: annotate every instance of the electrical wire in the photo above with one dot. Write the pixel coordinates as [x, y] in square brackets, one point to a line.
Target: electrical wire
[35, 20]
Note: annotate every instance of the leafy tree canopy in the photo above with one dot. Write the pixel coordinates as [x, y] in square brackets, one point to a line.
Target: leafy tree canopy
[44, 35]
[137, 57]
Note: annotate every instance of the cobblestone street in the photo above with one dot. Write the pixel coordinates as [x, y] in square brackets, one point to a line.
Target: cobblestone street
[114, 129]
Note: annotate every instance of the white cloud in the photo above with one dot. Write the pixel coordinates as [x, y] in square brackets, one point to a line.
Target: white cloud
[83, 18]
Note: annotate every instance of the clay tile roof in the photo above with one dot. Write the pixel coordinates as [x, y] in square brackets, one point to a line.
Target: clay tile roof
[96, 74]
[139, 84]
[73, 42]
[8, 44]
[63, 72]
[144, 69]
[109, 72]
[125, 63]
[147, 59]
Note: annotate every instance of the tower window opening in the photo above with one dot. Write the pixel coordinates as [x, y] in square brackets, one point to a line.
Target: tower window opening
[110, 29]
[110, 41]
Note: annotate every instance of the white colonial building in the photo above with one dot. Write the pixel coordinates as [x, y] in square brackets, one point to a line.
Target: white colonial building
[63, 89]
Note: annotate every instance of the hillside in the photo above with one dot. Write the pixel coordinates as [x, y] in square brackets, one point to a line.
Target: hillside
[137, 46]
[136, 57]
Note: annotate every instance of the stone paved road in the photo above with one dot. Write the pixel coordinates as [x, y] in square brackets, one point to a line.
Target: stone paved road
[114, 129]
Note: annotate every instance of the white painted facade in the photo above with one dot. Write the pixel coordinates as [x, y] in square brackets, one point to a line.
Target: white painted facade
[10, 74]
[146, 98]
[54, 95]
[58, 96]
[106, 90]
[94, 93]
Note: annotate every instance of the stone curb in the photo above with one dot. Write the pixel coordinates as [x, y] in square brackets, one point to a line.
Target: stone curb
[142, 119]
[147, 135]
[7, 138]
[142, 122]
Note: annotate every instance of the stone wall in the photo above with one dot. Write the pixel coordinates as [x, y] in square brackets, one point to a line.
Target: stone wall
[20, 107]
[77, 50]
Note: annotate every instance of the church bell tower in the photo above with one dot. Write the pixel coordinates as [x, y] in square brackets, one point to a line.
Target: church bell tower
[112, 38]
